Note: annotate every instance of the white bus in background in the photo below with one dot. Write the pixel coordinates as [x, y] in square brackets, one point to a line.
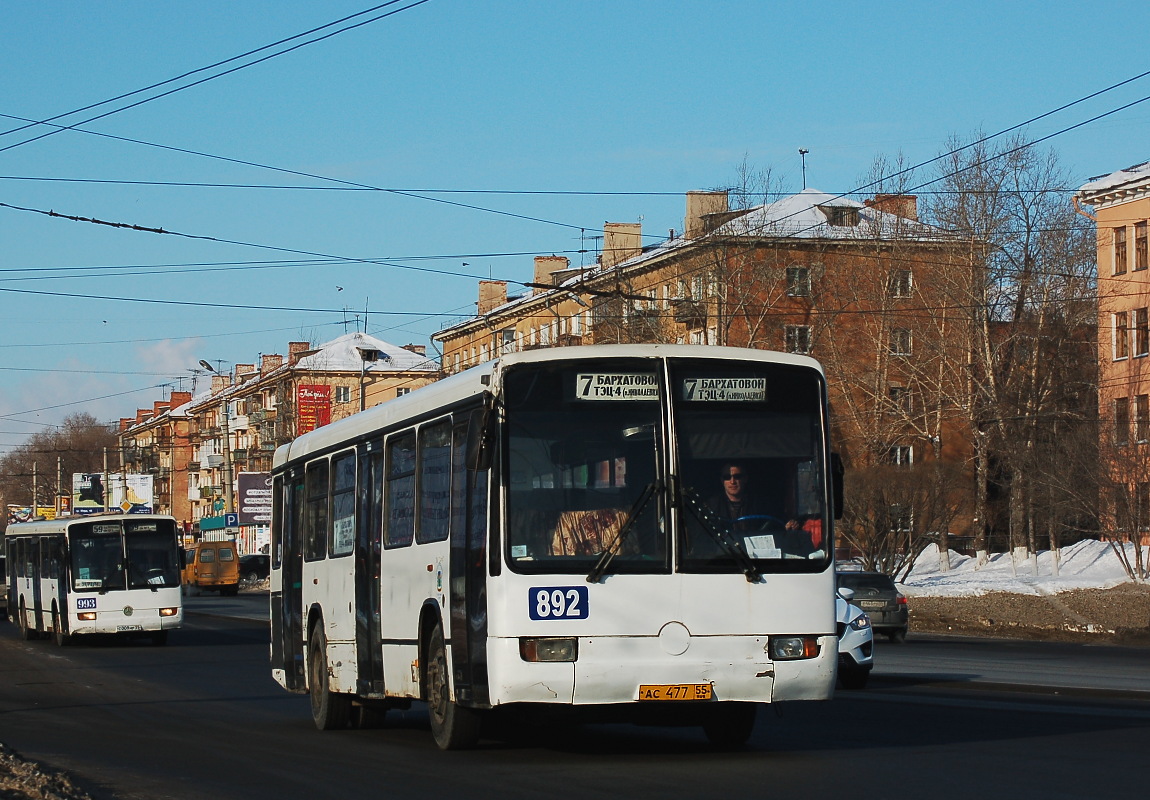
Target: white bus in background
[99, 574]
[536, 532]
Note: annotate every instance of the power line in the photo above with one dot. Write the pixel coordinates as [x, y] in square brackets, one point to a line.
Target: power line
[58, 129]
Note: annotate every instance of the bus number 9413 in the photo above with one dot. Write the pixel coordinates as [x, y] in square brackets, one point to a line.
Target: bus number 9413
[557, 602]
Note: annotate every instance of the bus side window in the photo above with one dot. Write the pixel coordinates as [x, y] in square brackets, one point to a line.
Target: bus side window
[400, 491]
[343, 504]
[315, 521]
[434, 482]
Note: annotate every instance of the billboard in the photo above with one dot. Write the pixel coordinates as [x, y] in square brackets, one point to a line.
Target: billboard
[255, 498]
[313, 406]
[130, 494]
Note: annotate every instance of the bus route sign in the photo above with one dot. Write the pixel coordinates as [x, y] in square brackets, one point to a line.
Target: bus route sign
[617, 386]
[725, 390]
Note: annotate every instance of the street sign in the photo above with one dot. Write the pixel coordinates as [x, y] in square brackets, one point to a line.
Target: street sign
[231, 520]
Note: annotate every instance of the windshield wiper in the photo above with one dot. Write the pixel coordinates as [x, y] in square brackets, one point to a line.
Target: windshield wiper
[722, 536]
[596, 573]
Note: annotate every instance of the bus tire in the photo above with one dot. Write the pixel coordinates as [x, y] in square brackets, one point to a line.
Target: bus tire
[453, 726]
[729, 725]
[59, 635]
[27, 632]
[330, 711]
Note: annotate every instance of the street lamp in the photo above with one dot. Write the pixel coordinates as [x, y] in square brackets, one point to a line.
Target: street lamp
[229, 498]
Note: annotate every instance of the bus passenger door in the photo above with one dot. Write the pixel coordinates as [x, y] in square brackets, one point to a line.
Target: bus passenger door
[287, 649]
[468, 572]
[369, 529]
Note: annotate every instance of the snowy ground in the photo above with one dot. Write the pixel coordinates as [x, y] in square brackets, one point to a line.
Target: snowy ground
[1085, 565]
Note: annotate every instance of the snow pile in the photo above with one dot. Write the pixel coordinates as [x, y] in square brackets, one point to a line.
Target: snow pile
[1087, 564]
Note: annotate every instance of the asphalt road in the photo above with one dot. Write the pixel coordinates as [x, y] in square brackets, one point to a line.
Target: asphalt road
[202, 718]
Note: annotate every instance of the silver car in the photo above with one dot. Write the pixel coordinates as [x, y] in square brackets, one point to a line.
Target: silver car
[856, 643]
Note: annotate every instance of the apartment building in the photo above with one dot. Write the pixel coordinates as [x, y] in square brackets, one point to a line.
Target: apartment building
[865, 287]
[1121, 203]
[234, 426]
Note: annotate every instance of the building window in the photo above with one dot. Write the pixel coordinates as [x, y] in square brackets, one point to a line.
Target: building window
[1141, 332]
[1142, 418]
[841, 216]
[343, 394]
[901, 517]
[1142, 506]
[899, 455]
[1119, 250]
[1122, 420]
[900, 342]
[798, 281]
[1141, 247]
[402, 390]
[899, 398]
[1122, 334]
[798, 338]
[899, 283]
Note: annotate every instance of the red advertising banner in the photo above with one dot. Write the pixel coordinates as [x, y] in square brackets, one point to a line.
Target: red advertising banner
[313, 404]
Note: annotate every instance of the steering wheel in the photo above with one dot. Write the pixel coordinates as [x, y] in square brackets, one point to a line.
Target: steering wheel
[759, 522]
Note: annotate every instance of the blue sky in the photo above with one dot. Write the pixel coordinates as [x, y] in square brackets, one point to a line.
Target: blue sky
[647, 100]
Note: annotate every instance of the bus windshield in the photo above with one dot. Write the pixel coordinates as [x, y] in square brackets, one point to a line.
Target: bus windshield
[594, 468]
[97, 555]
[750, 453]
[583, 453]
[152, 560]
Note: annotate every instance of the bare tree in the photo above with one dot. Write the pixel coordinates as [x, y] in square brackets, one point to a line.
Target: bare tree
[78, 444]
[1029, 287]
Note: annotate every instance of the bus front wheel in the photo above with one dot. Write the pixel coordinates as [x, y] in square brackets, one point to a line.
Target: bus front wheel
[729, 725]
[453, 726]
[331, 711]
[59, 635]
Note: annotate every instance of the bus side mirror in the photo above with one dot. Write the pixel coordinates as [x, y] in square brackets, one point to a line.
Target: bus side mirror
[837, 484]
[481, 438]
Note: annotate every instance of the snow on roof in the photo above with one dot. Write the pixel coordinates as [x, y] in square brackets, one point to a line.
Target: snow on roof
[343, 354]
[806, 215]
[1105, 183]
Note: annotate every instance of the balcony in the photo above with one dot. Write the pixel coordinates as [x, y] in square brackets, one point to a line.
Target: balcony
[193, 466]
[689, 313]
[215, 461]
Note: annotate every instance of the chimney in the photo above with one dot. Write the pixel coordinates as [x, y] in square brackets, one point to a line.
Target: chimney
[492, 294]
[903, 205]
[621, 241]
[418, 349]
[125, 423]
[545, 269]
[143, 414]
[270, 362]
[161, 406]
[220, 382]
[177, 399]
[243, 370]
[296, 351]
[699, 205]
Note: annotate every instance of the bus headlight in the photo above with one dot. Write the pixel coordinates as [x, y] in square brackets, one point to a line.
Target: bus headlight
[86, 616]
[537, 649]
[792, 648]
[169, 612]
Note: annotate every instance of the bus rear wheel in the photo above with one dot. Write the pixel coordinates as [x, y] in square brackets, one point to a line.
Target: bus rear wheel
[330, 711]
[453, 726]
[27, 632]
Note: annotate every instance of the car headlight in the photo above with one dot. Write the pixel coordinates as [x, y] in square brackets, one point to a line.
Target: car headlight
[860, 623]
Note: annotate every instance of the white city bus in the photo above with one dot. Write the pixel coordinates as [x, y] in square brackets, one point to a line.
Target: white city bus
[537, 532]
[106, 573]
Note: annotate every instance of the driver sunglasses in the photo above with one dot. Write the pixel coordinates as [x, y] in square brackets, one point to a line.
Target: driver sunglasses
[733, 476]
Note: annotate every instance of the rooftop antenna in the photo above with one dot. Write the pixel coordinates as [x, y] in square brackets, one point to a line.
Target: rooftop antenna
[803, 155]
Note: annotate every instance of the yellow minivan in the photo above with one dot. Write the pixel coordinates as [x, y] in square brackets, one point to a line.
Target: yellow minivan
[213, 565]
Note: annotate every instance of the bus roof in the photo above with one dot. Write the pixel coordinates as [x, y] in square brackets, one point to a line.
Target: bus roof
[41, 527]
[475, 381]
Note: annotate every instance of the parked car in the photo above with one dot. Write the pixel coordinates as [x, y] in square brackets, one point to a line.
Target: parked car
[254, 567]
[876, 594]
[856, 643]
